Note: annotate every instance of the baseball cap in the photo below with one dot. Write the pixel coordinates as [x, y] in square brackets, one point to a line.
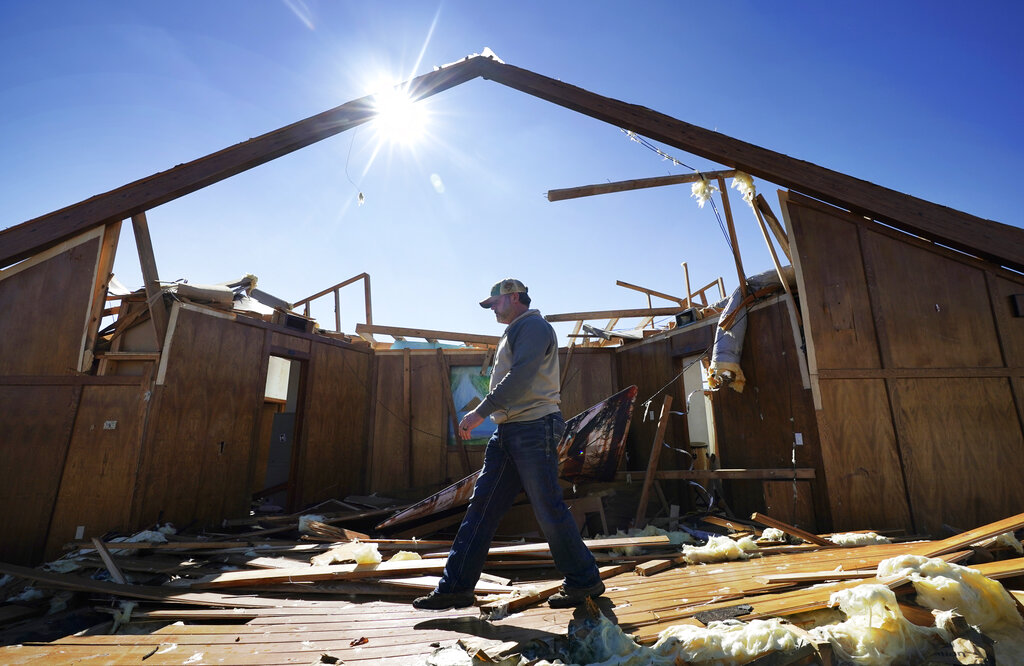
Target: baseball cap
[506, 286]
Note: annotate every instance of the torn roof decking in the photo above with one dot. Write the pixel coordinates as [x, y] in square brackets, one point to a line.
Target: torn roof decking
[994, 241]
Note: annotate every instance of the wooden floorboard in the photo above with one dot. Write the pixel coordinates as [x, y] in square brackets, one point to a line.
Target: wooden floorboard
[380, 631]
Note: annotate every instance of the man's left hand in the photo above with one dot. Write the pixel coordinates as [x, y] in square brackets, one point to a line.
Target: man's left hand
[468, 422]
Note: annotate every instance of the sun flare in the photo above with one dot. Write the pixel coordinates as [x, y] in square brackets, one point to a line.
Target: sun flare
[399, 119]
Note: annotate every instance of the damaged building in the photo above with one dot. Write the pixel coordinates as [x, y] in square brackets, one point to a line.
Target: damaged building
[872, 379]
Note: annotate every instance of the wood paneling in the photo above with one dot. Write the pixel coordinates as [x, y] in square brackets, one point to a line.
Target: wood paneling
[102, 461]
[51, 300]
[333, 452]
[35, 428]
[758, 428]
[589, 379]
[936, 310]
[1011, 326]
[198, 441]
[429, 422]
[859, 453]
[389, 463]
[834, 296]
[791, 502]
[962, 448]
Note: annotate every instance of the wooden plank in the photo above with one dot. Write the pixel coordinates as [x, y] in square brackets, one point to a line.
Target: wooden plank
[965, 539]
[962, 449]
[651, 292]
[860, 457]
[108, 562]
[398, 331]
[104, 271]
[999, 242]
[388, 464]
[790, 500]
[635, 184]
[734, 242]
[724, 473]
[652, 462]
[773, 222]
[791, 530]
[150, 276]
[1008, 317]
[608, 314]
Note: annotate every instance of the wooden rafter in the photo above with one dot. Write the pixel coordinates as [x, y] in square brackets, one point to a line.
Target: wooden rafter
[639, 183]
[399, 332]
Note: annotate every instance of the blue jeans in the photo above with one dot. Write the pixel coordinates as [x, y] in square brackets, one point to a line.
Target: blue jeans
[519, 456]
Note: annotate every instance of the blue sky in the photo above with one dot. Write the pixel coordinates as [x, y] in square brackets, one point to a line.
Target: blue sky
[921, 97]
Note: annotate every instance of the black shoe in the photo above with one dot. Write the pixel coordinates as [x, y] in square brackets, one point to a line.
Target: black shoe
[444, 600]
[567, 597]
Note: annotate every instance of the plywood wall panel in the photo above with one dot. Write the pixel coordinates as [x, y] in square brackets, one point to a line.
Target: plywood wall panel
[389, 460]
[429, 421]
[35, 428]
[52, 300]
[860, 456]
[198, 443]
[589, 379]
[1010, 324]
[758, 428]
[935, 309]
[963, 450]
[102, 461]
[333, 449]
[834, 295]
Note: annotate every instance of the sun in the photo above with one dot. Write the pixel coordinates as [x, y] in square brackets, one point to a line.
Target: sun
[399, 119]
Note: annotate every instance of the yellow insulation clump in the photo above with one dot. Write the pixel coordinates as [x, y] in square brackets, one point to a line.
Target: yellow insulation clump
[720, 549]
[403, 555]
[983, 602]
[728, 642]
[850, 539]
[353, 551]
[875, 632]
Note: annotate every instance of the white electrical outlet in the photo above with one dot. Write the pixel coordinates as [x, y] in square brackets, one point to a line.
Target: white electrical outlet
[110, 425]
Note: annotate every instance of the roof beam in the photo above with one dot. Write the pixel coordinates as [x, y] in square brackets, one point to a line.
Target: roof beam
[28, 238]
[994, 241]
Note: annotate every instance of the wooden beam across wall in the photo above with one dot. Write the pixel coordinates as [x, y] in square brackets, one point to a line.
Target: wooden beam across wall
[637, 184]
[398, 331]
[608, 314]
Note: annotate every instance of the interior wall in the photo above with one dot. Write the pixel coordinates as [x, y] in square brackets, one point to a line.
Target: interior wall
[915, 352]
[46, 303]
[198, 440]
[334, 442]
[761, 427]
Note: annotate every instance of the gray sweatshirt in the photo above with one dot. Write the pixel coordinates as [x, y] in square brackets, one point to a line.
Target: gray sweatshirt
[525, 379]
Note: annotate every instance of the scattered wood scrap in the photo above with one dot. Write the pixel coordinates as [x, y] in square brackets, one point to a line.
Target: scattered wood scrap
[273, 606]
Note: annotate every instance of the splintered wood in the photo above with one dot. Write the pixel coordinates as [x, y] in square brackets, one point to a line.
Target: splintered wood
[276, 608]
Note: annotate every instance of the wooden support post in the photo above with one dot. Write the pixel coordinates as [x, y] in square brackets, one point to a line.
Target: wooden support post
[366, 295]
[104, 270]
[453, 412]
[686, 275]
[761, 205]
[407, 401]
[154, 294]
[652, 465]
[771, 250]
[337, 310]
[732, 237]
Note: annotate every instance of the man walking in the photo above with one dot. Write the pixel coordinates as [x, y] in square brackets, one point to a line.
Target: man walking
[520, 456]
